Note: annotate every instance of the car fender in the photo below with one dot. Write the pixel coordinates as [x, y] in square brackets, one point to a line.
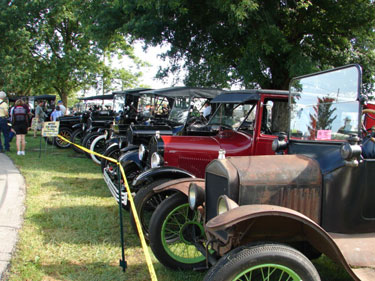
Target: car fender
[181, 185]
[251, 223]
[128, 148]
[76, 126]
[162, 172]
[130, 156]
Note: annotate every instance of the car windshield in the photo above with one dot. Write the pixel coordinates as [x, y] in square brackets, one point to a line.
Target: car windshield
[148, 105]
[180, 110]
[325, 106]
[118, 103]
[233, 115]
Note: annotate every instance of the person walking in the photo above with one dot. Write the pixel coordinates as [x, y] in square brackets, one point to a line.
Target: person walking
[20, 123]
[4, 128]
[39, 117]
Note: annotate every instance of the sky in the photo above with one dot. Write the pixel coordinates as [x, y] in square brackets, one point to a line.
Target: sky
[151, 56]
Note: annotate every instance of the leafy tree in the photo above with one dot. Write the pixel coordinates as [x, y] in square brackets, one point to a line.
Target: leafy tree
[251, 42]
[323, 116]
[48, 47]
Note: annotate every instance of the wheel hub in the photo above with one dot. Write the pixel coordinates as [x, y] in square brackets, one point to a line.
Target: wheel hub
[190, 232]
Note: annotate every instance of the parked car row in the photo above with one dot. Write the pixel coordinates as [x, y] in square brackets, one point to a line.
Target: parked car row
[268, 181]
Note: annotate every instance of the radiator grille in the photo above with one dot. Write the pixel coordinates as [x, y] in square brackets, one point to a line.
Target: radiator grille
[215, 187]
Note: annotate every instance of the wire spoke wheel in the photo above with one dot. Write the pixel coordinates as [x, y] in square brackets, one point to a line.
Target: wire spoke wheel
[66, 133]
[174, 232]
[177, 234]
[263, 261]
[268, 272]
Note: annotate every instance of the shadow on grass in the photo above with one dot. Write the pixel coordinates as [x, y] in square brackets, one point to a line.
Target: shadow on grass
[80, 186]
[85, 225]
[99, 271]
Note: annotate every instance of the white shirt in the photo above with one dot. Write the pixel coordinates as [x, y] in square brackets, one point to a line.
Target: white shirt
[62, 109]
[207, 111]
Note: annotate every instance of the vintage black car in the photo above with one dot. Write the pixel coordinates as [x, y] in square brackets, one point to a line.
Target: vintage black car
[184, 116]
[263, 217]
[130, 107]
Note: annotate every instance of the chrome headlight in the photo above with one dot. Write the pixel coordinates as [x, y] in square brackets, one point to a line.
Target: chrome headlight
[224, 204]
[195, 196]
[155, 160]
[141, 152]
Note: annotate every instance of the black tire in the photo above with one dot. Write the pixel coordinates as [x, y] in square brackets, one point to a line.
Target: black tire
[66, 133]
[112, 152]
[98, 145]
[146, 201]
[171, 234]
[88, 139]
[263, 258]
[77, 137]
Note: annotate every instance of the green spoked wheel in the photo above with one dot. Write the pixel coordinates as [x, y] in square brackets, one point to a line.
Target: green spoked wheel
[174, 228]
[263, 262]
[268, 272]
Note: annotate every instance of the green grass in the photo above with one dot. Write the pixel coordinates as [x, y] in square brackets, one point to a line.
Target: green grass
[71, 225]
[71, 228]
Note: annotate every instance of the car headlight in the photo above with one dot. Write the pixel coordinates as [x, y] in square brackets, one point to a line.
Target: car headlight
[155, 160]
[195, 196]
[224, 204]
[141, 152]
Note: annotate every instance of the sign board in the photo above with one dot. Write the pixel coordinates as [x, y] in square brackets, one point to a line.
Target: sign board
[50, 129]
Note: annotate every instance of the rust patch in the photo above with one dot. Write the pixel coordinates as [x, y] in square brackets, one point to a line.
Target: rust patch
[291, 181]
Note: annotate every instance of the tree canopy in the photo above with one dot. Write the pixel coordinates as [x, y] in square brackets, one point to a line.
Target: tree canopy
[47, 47]
[251, 42]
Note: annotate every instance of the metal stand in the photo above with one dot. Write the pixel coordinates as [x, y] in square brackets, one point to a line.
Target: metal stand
[123, 262]
[40, 146]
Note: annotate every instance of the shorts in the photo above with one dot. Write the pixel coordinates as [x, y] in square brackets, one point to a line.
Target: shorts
[39, 125]
[21, 129]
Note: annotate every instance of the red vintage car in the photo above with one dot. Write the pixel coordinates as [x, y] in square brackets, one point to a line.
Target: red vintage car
[245, 123]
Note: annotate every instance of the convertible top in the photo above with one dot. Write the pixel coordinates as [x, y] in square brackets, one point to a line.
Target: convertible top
[99, 97]
[193, 92]
[242, 96]
[44, 97]
[132, 91]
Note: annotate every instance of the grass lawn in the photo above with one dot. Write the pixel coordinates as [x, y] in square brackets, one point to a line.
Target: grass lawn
[71, 225]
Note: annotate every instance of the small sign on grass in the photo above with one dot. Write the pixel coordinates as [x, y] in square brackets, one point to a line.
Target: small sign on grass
[50, 129]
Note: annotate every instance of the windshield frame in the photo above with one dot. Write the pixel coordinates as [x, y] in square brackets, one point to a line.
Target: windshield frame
[252, 104]
[357, 104]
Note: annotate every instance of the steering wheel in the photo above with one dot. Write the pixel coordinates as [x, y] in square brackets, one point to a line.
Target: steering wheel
[199, 120]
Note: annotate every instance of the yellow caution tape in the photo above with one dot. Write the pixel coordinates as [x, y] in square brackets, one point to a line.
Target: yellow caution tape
[132, 205]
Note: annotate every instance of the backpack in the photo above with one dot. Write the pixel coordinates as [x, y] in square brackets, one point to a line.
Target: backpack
[19, 114]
